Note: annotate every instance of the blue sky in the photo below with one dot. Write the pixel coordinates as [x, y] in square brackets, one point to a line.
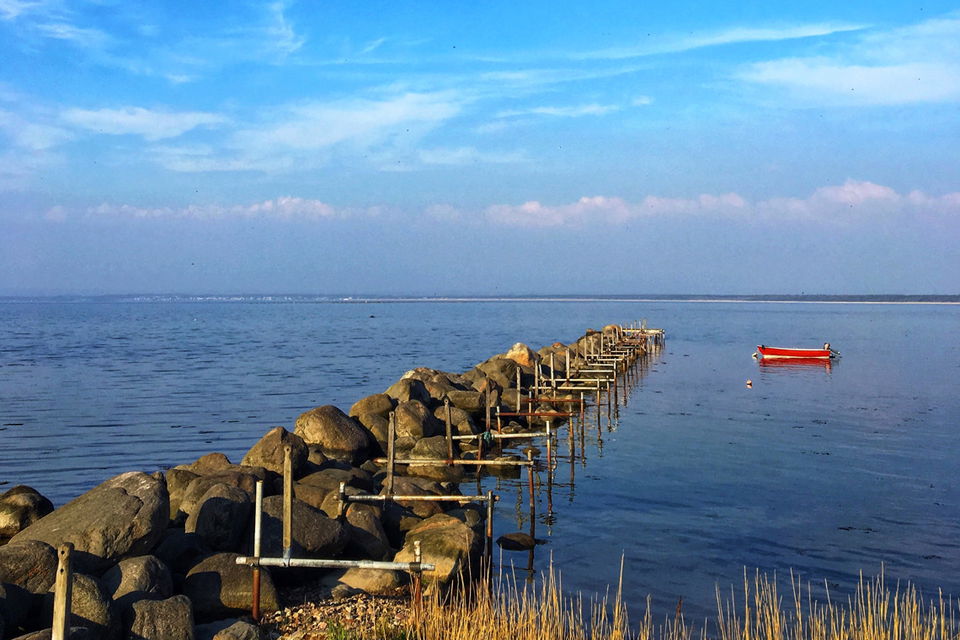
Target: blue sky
[479, 148]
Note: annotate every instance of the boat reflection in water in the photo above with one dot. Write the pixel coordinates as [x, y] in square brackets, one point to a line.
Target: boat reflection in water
[796, 363]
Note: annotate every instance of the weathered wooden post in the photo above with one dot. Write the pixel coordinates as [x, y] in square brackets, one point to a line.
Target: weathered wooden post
[287, 503]
[553, 373]
[257, 526]
[62, 593]
[417, 581]
[391, 451]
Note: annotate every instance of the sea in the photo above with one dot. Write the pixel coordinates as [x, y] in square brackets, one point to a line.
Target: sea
[694, 480]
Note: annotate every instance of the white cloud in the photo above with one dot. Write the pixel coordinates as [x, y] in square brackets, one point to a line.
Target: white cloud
[31, 136]
[282, 208]
[852, 202]
[574, 111]
[467, 155]
[149, 123]
[83, 37]
[12, 9]
[915, 64]
[279, 32]
[657, 44]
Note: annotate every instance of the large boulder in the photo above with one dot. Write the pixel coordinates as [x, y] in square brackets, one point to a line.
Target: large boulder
[220, 517]
[178, 480]
[501, 370]
[367, 537]
[379, 404]
[30, 564]
[314, 533]
[268, 452]
[136, 578]
[229, 629]
[75, 633]
[168, 619]
[434, 448]
[412, 486]
[447, 543]
[415, 420]
[15, 605]
[180, 550]
[378, 425]
[522, 355]
[218, 587]
[124, 516]
[337, 434]
[20, 507]
[469, 401]
[90, 607]
[373, 581]
[244, 478]
[407, 389]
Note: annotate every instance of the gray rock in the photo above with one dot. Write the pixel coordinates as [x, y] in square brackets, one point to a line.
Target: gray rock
[15, 605]
[378, 404]
[177, 482]
[337, 434]
[219, 588]
[207, 464]
[180, 550]
[229, 629]
[136, 578]
[469, 401]
[90, 607]
[76, 633]
[268, 452]
[30, 564]
[367, 537]
[169, 619]
[244, 478]
[220, 517]
[447, 543]
[407, 389]
[20, 507]
[501, 370]
[415, 420]
[330, 478]
[314, 534]
[125, 515]
[373, 581]
[435, 448]
[378, 426]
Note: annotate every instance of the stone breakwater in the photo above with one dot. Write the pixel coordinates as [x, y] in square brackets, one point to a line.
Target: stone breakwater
[154, 554]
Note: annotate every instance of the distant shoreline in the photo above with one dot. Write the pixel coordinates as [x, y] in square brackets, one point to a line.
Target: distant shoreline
[379, 299]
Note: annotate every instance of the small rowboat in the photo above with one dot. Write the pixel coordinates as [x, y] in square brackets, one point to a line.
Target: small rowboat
[806, 354]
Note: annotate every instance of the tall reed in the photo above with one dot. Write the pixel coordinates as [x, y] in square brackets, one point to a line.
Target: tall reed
[511, 611]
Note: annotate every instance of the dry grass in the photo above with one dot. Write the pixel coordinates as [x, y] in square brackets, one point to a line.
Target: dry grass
[515, 612]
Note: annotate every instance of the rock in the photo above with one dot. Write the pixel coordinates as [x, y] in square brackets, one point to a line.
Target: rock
[169, 619]
[125, 515]
[210, 463]
[219, 588]
[90, 607]
[198, 487]
[136, 578]
[180, 550]
[407, 389]
[177, 482]
[397, 520]
[367, 537]
[314, 534]
[378, 426]
[469, 401]
[15, 605]
[435, 448]
[331, 477]
[76, 633]
[522, 355]
[447, 543]
[378, 404]
[338, 436]
[373, 581]
[457, 415]
[500, 370]
[269, 450]
[411, 486]
[315, 455]
[516, 541]
[30, 564]
[220, 517]
[229, 629]
[20, 507]
[415, 420]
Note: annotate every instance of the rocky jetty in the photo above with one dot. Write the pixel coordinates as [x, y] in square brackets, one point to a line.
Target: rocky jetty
[155, 554]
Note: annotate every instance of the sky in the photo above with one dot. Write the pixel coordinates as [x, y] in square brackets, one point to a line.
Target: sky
[479, 148]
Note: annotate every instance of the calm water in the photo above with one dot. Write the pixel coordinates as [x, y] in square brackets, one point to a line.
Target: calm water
[828, 472]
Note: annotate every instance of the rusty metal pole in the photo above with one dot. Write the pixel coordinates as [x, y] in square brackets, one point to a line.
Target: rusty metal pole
[489, 535]
[391, 450]
[417, 581]
[531, 496]
[62, 593]
[287, 503]
[257, 526]
[448, 420]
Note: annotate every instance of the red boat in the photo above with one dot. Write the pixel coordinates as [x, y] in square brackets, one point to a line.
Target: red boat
[807, 354]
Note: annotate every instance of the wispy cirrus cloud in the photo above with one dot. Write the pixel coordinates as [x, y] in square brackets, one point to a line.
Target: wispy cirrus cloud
[914, 64]
[151, 124]
[852, 202]
[572, 111]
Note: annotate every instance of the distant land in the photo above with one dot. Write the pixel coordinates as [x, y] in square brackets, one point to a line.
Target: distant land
[373, 298]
